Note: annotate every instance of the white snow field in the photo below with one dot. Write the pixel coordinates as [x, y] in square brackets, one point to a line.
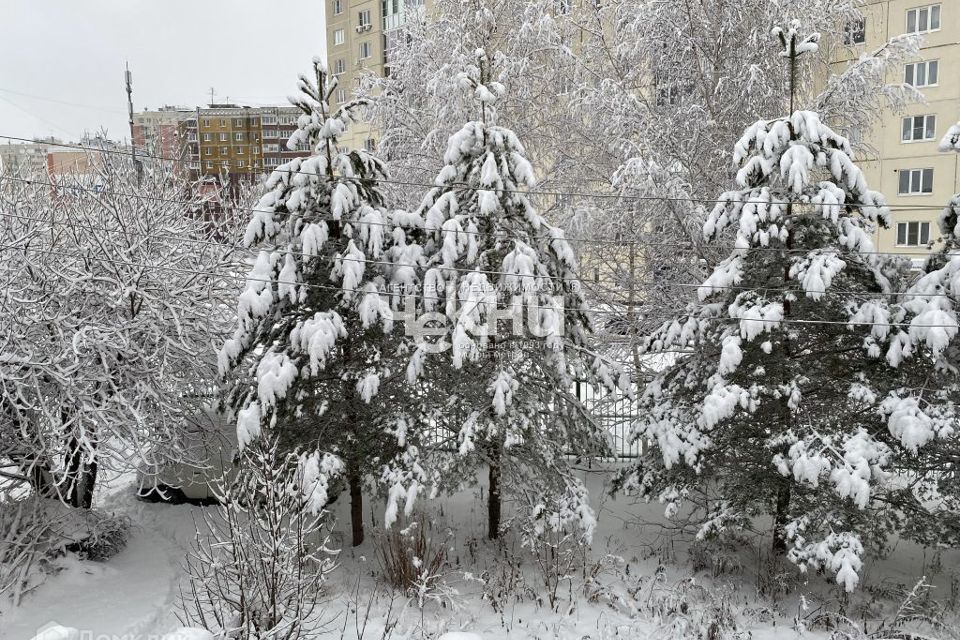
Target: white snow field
[654, 588]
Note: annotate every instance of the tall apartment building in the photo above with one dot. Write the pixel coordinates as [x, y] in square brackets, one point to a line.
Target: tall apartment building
[906, 167]
[359, 34]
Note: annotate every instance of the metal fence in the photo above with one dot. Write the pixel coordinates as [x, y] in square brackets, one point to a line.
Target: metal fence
[615, 413]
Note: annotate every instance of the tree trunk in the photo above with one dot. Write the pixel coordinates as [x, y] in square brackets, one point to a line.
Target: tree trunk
[81, 477]
[780, 520]
[356, 506]
[493, 498]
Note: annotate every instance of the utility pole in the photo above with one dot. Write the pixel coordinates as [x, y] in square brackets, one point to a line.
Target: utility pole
[133, 143]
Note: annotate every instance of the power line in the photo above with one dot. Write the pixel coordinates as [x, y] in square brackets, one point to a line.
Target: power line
[457, 185]
[585, 241]
[64, 102]
[254, 252]
[582, 309]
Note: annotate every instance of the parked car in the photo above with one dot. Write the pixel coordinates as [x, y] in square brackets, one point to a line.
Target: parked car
[211, 446]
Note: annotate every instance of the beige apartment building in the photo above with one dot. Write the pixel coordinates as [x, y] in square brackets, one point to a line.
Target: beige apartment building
[906, 166]
[359, 33]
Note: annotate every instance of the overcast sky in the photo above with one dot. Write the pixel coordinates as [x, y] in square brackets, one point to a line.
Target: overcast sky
[62, 60]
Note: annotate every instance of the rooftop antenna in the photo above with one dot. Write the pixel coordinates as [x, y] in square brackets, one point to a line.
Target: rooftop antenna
[128, 76]
[212, 91]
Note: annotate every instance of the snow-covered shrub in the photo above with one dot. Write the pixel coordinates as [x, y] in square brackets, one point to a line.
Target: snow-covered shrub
[896, 611]
[686, 610]
[552, 535]
[118, 287]
[414, 560]
[36, 532]
[504, 583]
[102, 536]
[258, 566]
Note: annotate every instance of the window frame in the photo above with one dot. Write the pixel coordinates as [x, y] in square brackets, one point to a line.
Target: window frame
[853, 29]
[921, 172]
[913, 128]
[922, 230]
[913, 66]
[916, 12]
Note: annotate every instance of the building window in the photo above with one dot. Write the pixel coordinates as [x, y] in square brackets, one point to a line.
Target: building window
[238, 136]
[913, 234]
[241, 164]
[224, 151]
[337, 7]
[238, 122]
[341, 96]
[207, 137]
[562, 7]
[271, 148]
[338, 36]
[922, 19]
[363, 19]
[223, 123]
[855, 32]
[208, 151]
[669, 91]
[255, 122]
[339, 67]
[238, 151]
[269, 133]
[269, 119]
[224, 137]
[922, 74]
[916, 128]
[206, 122]
[370, 144]
[255, 150]
[225, 164]
[364, 50]
[916, 181]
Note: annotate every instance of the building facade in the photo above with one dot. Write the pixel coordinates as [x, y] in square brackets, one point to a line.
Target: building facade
[905, 164]
[159, 133]
[359, 33]
[24, 158]
[238, 142]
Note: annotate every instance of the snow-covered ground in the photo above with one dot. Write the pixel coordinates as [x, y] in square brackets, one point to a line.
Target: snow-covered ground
[651, 590]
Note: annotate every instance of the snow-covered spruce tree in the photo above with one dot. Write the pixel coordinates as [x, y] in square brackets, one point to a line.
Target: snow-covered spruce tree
[932, 304]
[506, 282]
[784, 405]
[313, 344]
